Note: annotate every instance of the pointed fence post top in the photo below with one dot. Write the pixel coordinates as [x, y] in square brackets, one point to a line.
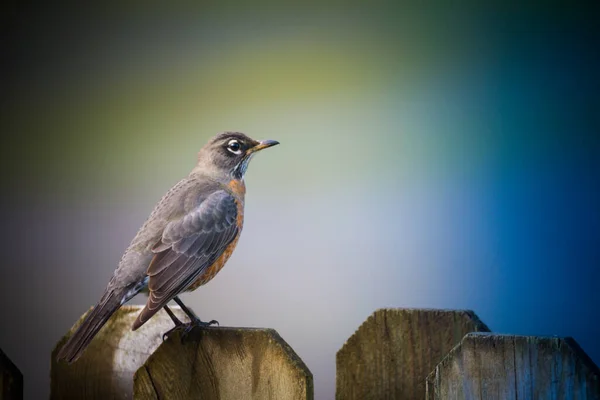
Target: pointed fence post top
[224, 363]
[393, 351]
[500, 366]
[11, 379]
[106, 368]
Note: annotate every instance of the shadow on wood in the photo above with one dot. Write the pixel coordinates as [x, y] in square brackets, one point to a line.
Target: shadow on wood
[492, 366]
[394, 350]
[224, 363]
[11, 379]
[106, 368]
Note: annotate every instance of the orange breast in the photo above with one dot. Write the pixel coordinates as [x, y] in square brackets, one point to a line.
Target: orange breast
[239, 189]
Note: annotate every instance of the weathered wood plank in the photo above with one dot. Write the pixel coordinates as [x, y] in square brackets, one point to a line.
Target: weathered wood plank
[493, 366]
[144, 385]
[11, 379]
[224, 363]
[106, 369]
[394, 350]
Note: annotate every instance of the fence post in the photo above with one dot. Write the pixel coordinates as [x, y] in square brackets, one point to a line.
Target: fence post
[11, 379]
[224, 363]
[394, 350]
[493, 366]
[106, 368]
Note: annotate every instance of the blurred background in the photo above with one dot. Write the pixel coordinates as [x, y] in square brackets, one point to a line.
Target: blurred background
[436, 155]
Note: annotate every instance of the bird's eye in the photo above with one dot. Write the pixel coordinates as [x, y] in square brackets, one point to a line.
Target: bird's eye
[234, 146]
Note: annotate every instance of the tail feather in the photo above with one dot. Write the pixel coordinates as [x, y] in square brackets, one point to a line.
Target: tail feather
[95, 320]
[152, 307]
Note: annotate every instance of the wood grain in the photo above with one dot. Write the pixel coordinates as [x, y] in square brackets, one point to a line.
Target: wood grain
[106, 369]
[224, 363]
[394, 350]
[504, 367]
[11, 379]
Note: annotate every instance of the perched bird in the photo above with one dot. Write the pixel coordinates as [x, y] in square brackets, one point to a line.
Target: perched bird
[185, 241]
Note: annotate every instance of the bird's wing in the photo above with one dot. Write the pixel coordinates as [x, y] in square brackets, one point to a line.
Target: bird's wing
[188, 246]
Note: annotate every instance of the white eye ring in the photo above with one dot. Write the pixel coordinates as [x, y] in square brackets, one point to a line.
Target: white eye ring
[234, 146]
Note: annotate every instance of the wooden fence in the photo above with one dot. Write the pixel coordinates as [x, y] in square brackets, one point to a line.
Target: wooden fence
[391, 353]
[492, 366]
[11, 379]
[210, 363]
[395, 354]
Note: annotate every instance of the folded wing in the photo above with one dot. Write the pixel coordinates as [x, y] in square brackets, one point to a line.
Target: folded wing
[189, 245]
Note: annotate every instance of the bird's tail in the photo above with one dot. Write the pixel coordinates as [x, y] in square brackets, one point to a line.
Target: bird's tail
[95, 320]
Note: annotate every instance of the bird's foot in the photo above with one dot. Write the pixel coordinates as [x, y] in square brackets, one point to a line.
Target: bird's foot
[186, 328]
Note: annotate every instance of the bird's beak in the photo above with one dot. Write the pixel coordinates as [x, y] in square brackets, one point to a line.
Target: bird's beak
[262, 145]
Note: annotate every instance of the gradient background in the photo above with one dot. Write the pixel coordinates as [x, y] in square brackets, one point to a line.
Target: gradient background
[431, 156]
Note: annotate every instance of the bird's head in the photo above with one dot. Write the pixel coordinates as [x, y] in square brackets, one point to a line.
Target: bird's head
[228, 154]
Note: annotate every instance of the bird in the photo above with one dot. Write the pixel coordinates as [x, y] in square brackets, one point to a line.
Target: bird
[187, 239]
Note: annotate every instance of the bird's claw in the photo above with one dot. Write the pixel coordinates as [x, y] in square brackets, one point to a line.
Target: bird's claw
[188, 327]
[167, 333]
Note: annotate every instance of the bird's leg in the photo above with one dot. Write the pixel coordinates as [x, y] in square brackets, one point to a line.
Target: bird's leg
[176, 321]
[193, 317]
[187, 327]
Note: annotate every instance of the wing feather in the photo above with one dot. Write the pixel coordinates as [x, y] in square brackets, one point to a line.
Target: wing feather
[189, 245]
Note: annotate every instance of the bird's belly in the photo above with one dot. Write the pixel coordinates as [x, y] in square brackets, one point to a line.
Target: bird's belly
[211, 271]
